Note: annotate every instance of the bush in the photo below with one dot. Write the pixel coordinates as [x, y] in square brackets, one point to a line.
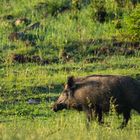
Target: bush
[99, 11]
[133, 25]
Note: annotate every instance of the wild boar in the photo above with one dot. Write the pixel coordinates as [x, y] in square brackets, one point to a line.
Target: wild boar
[94, 93]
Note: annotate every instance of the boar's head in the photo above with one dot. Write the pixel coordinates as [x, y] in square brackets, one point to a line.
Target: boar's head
[66, 100]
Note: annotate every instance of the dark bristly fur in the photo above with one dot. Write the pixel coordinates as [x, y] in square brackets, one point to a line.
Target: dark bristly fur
[95, 92]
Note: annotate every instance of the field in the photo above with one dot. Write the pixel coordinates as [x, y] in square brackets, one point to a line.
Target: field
[42, 42]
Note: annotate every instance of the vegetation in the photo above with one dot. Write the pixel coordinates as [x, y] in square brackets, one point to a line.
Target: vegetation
[44, 41]
[133, 23]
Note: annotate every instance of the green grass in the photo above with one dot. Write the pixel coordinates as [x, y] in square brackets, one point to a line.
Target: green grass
[20, 120]
[53, 38]
[67, 125]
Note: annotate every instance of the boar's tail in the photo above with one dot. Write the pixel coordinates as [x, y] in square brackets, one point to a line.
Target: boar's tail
[136, 105]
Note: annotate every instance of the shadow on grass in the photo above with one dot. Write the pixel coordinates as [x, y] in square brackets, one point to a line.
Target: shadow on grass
[5, 121]
[31, 95]
[55, 88]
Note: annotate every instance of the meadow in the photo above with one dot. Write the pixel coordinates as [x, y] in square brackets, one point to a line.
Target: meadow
[42, 42]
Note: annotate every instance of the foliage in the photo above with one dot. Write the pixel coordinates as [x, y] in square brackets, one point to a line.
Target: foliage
[67, 125]
[133, 24]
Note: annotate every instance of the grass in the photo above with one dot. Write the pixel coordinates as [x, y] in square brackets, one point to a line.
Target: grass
[27, 75]
[68, 125]
[21, 120]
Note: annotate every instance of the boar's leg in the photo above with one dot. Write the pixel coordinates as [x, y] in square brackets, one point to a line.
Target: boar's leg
[89, 116]
[126, 117]
[99, 113]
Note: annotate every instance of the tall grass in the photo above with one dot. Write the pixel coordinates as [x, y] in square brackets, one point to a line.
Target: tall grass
[68, 125]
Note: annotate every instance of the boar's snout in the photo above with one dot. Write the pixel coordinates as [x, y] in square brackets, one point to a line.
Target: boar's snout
[58, 107]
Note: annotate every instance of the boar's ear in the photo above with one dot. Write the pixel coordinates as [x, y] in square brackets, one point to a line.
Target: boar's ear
[70, 82]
